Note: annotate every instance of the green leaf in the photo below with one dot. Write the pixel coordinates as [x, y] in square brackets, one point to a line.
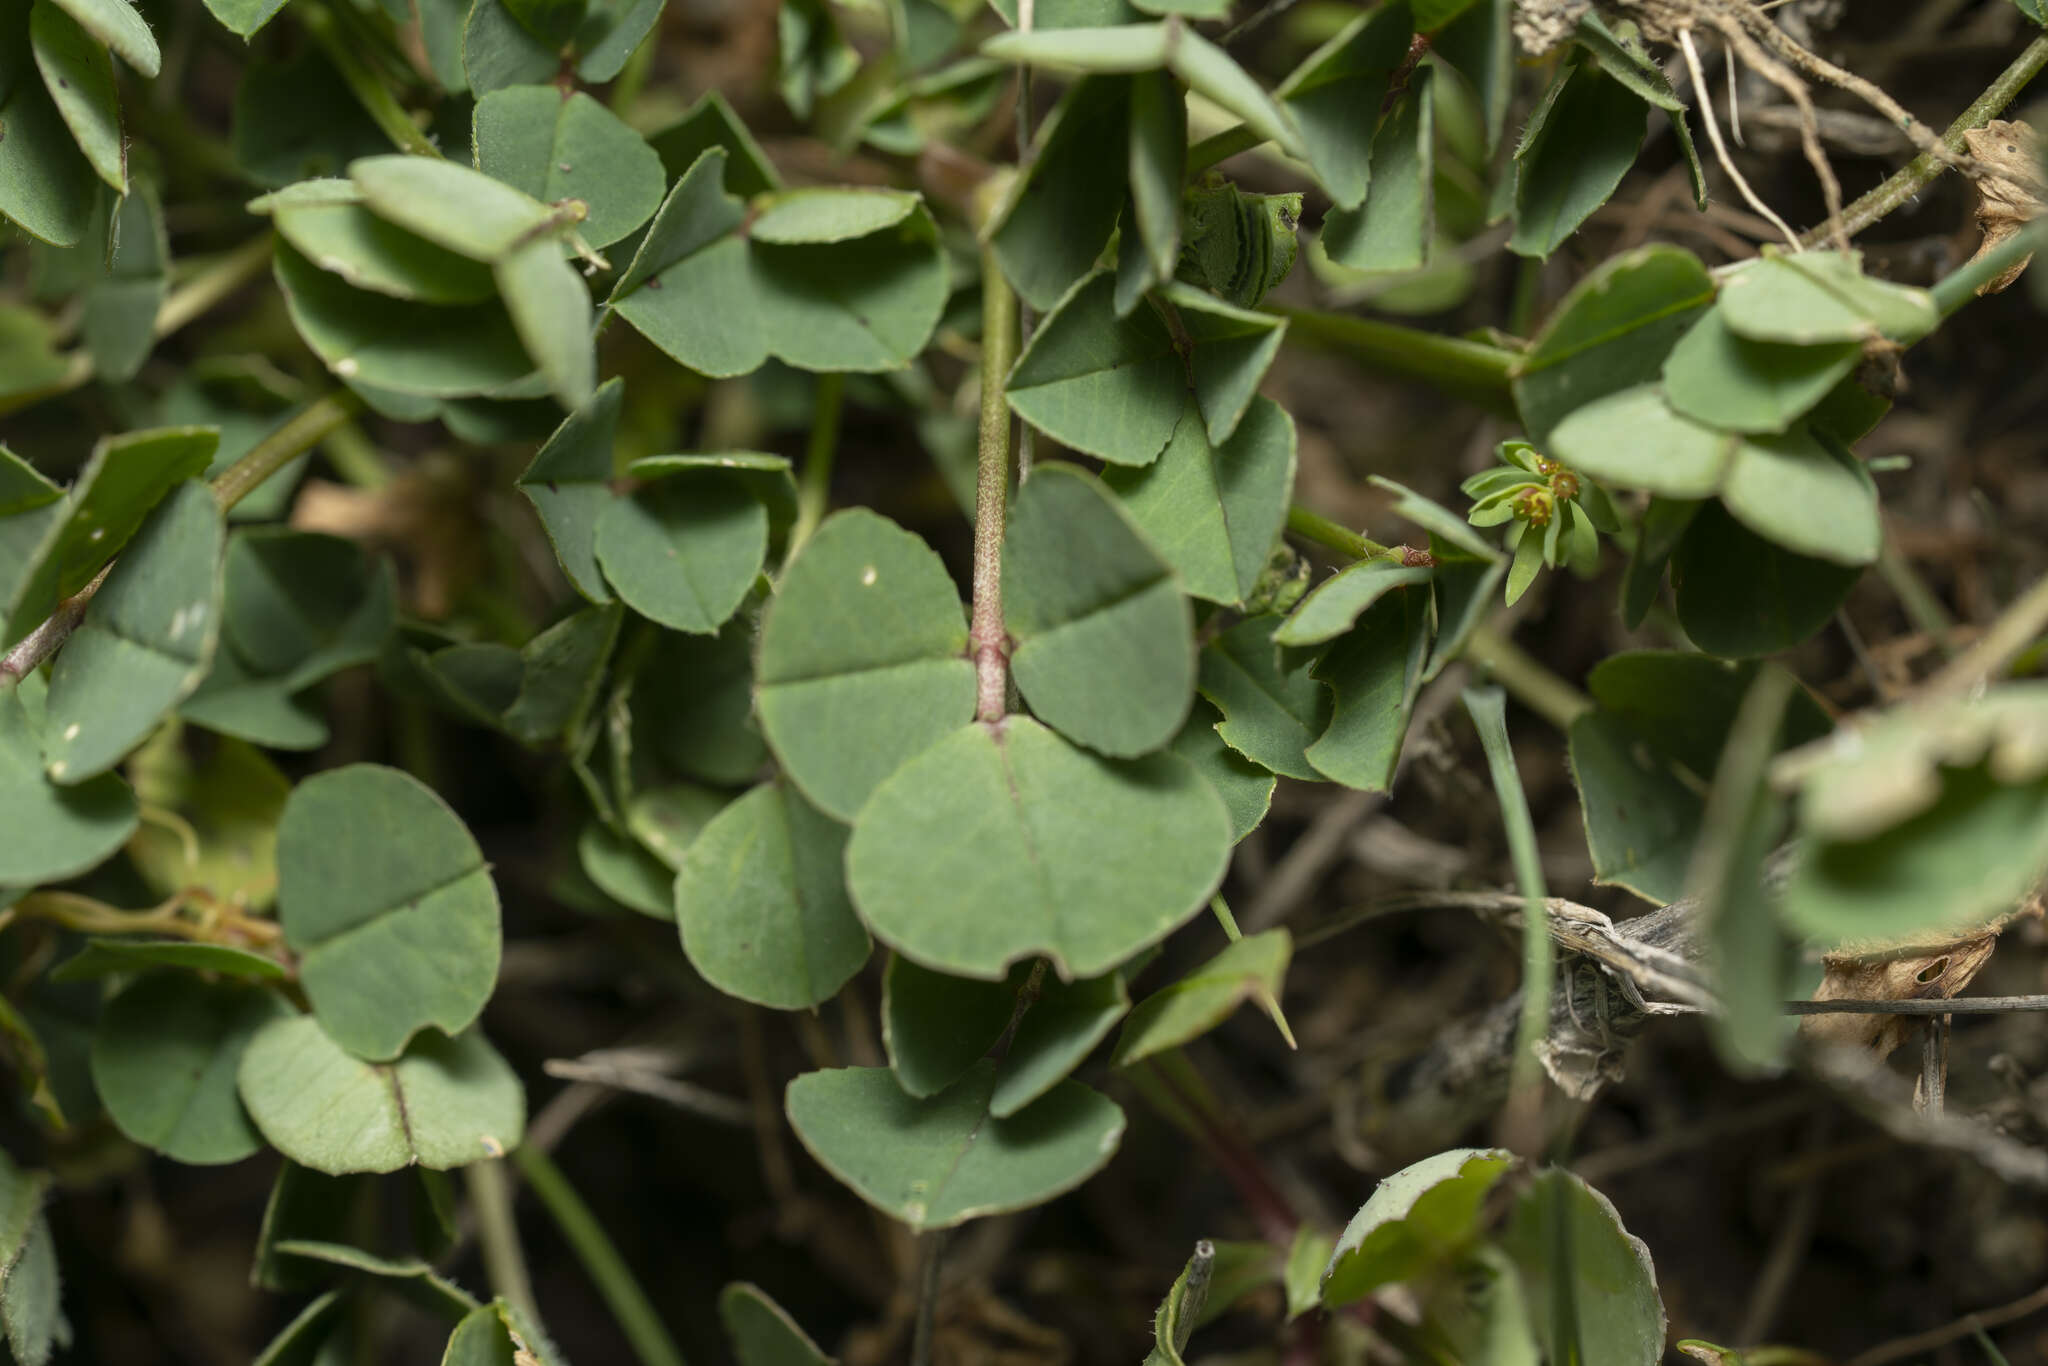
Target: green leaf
[499, 51]
[1270, 715]
[47, 185]
[1577, 146]
[1740, 596]
[1003, 841]
[298, 119]
[625, 872]
[117, 24]
[1173, 1323]
[863, 659]
[1419, 1218]
[53, 832]
[79, 76]
[1930, 824]
[429, 351]
[1158, 170]
[124, 478]
[1642, 816]
[1302, 1275]
[1480, 46]
[1682, 703]
[667, 820]
[1818, 297]
[935, 1027]
[1619, 1317]
[29, 1302]
[325, 221]
[444, 1104]
[1391, 229]
[556, 149]
[761, 1332]
[550, 310]
[409, 1278]
[299, 606]
[1373, 674]
[455, 207]
[121, 957]
[1790, 489]
[1325, 94]
[561, 669]
[1433, 517]
[684, 551]
[1213, 511]
[496, 1334]
[385, 897]
[1104, 642]
[568, 484]
[301, 1342]
[1623, 57]
[761, 902]
[722, 303]
[816, 59]
[145, 641]
[1207, 69]
[1058, 214]
[1060, 1029]
[1333, 606]
[1657, 535]
[768, 477]
[1246, 789]
[701, 723]
[1252, 969]
[1611, 332]
[164, 1059]
[712, 123]
[121, 307]
[941, 1161]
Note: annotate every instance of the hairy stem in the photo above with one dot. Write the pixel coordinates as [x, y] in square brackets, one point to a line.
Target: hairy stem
[1326, 533]
[1463, 369]
[586, 1237]
[378, 102]
[814, 494]
[1900, 188]
[497, 1235]
[991, 493]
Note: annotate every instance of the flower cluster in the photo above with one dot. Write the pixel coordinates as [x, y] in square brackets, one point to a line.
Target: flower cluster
[1556, 515]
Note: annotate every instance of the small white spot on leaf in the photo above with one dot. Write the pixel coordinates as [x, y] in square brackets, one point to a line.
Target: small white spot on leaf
[71, 731]
[867, 577]
[346, 366]
[492, 1145]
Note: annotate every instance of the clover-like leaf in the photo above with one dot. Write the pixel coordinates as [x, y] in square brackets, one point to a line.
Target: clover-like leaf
[761, 1332]
[124, 957]
[936, 1026]
[568, 484]
[684, 550]
[1059, 1030]
[1373, 672]
[164, 1058]
[699, 700]
[121, 307]
[79, 74]
[1716, 377]
[1213, 510]
[53, 832]
[1003, 841]
[1619, 1316]
[1246, 788]
[385, 897]
[1577, 146]
[556, 149]
[1612, 332]
[1270, 715]
[1057, 216]
[47, 185]
[863, 659]
[1392, 229]
[299, 606]
[1822, 296]
[1421, 1216]
[145, 641]
[941, 1161]
[761, 901]
[1349, 73]
[1741, 596]
[824, 279]
[1105, 645]
[1333, 606]
[445, 1103]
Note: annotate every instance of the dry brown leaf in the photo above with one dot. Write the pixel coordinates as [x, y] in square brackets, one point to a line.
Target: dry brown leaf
[2012, 191]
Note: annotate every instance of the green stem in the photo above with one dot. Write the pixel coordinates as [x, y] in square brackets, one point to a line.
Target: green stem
[814, 494]
[991, 491]
[215, 281]
[2013, 632]
[1222, 147]
[497, 1235]
[301, 433]
[1530, 683]
[629, 1304]
[1918, 173]
[1326, 533]
[1488, 707]
[1921, 605]
[1469, 370]
[379, 103]
[1960, 285]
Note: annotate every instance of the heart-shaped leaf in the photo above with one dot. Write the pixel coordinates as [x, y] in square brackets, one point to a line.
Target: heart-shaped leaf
[1270, 715]
[385, 897]
[939, 1162]
[1577, 146]
[935, 1026]
[761, 902]
[446, 1103]
[164, 1059]
[79, 75]
[863, 659]
[1714, 376]
[53, 831]
[1818, 297]
[556, 149]
[1373, 674]
[568, 485]
[1349, 73]
[684, 551]
[1057, 216]
[1391, 230]
[1003, 841]
[1246, 788]
[1105, 644]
